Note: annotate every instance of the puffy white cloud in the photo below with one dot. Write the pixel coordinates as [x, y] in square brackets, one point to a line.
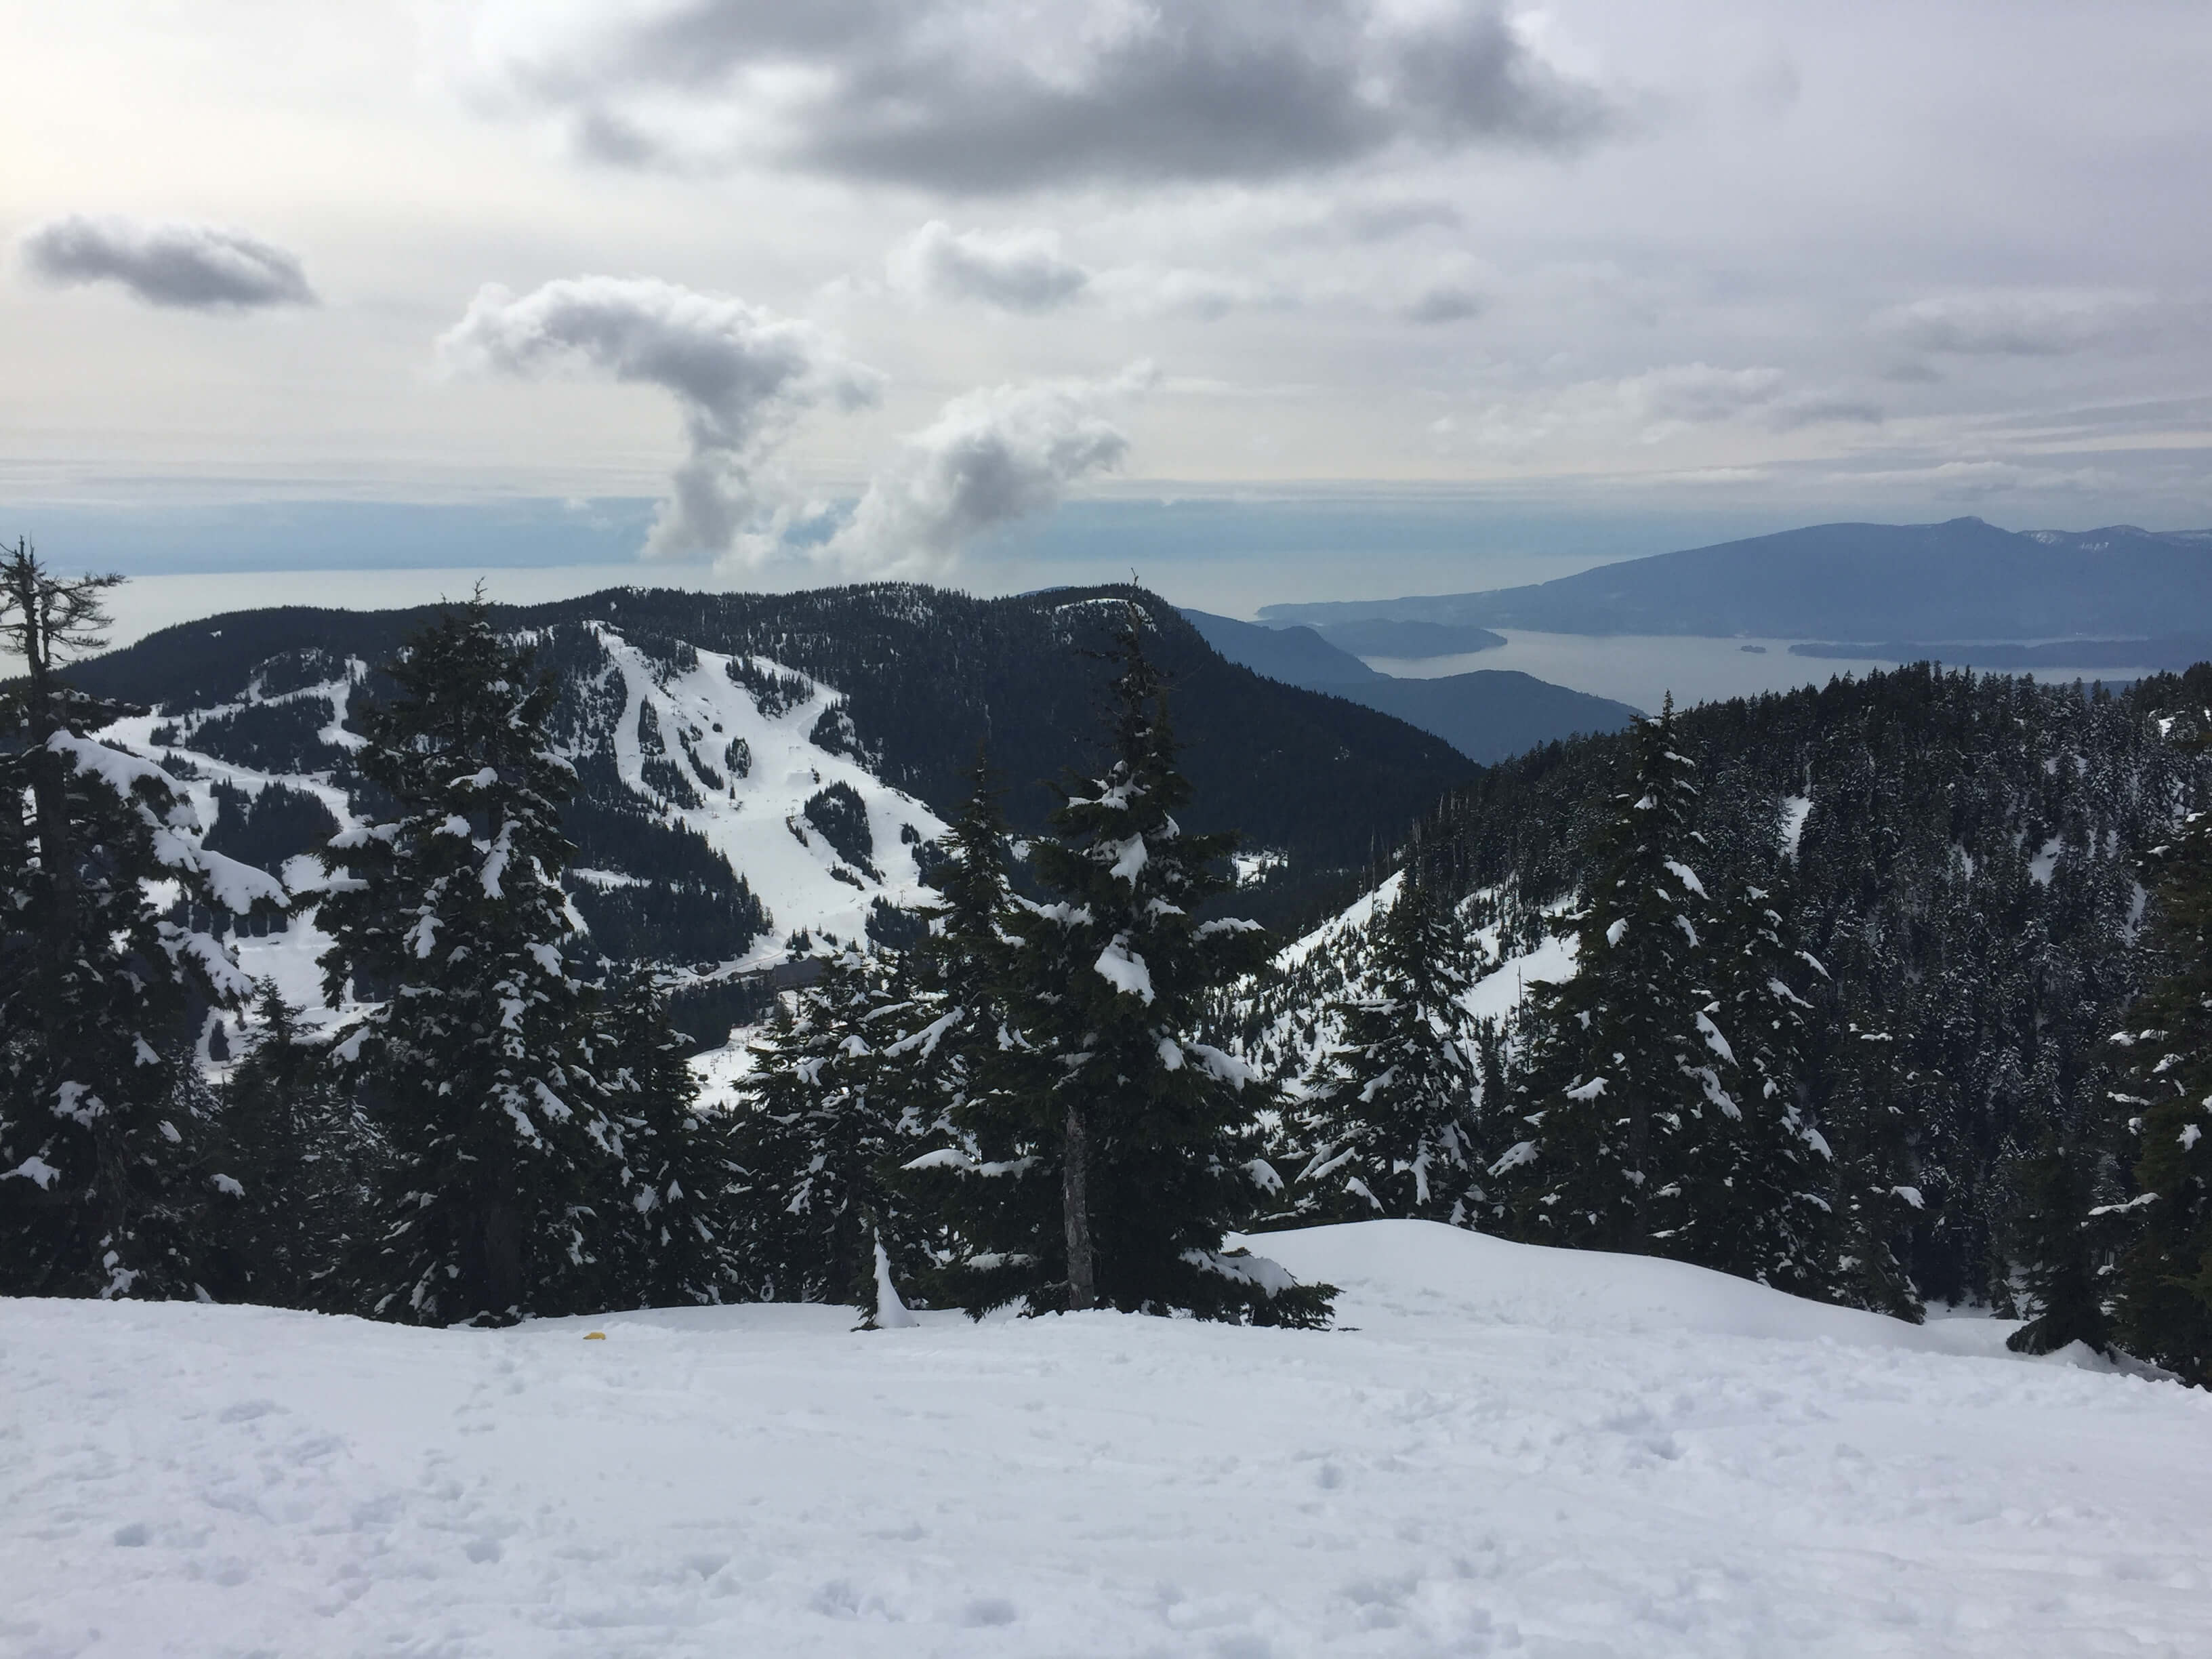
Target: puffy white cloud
[996, 95]
[741, 375]
[991, 457]
[192, 267]
[1013, 270]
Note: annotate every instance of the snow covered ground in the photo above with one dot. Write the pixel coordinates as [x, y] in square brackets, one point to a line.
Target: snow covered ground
[1510, 1450]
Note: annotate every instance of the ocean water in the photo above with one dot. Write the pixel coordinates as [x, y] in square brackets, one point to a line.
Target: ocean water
[1641, 669]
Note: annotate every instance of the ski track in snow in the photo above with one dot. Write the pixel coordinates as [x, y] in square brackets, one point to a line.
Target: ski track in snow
[1512, 1451]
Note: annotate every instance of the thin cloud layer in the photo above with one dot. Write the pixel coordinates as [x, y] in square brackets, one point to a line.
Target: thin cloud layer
[992, 456]
[1022, 269]
[1656, 406]
[741, 375]
[991, 96]
[2020, 324]
[192, 267]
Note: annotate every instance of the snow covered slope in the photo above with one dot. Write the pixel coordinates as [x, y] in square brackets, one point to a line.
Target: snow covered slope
[1511, 1450]
[703, 716]
[743, 752]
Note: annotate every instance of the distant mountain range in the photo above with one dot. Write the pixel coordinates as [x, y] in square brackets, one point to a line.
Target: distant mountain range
[1488, 716]
[1964, 580]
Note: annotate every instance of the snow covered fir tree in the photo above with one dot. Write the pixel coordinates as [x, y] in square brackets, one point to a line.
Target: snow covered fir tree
[505, 1192]
[1622, 1088]
[109, 1183]
[684, 1249]
[817, 1142]
[1106, 1097]
[1388, 1119]
[2164, 1310]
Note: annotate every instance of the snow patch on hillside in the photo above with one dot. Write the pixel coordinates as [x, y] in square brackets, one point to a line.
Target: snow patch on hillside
[1501, 1451]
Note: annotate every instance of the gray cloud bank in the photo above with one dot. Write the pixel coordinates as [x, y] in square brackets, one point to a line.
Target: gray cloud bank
[987, 96]
[741, 375]
[186, 266]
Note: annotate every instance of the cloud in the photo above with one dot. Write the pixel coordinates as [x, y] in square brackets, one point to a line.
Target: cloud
[1023, 271]
[1013, 270]
[1660, 403]
[1987, 477]
[2017, 324]
[992, 97]
[742, 376]
[992, 456]
[190, 267]
[1446, 303]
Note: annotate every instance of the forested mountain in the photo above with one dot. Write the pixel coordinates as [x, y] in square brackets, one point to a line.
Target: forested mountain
[758, 772]
[1960, 579]
[1490, 714]
[1961, 855]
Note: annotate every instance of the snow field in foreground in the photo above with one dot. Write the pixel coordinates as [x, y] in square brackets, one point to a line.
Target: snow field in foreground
[1516, 1451]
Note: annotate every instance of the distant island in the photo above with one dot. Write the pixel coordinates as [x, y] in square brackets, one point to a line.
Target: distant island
[1960, 579]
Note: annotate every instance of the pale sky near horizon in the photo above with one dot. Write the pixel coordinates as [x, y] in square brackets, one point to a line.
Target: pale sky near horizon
[854, 287]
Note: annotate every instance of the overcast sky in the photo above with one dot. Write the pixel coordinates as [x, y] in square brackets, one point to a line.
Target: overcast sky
[882, 280]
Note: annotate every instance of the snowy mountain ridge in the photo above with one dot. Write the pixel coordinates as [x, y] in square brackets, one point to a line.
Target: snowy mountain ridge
[726, 748]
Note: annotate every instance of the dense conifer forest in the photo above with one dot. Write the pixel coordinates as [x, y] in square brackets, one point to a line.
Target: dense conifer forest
[1882, 994]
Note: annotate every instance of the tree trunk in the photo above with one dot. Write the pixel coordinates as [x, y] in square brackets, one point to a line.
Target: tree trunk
[1075, 1204]
[503, 1289]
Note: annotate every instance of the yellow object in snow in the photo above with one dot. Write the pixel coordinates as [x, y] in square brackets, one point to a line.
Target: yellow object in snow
[595, 1336]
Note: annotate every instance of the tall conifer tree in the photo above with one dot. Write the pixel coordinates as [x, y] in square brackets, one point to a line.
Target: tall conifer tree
[818, 1143]
[1621, 1059]
[2164, 1300]
[1389, 1114]
[105, 1132]
[505, 1194]
[305, 1159]
[1875, 1201]
[952, 1073]
[2055, 1237]
[682, 1246]
[1145, 1133]
[1757, 1174]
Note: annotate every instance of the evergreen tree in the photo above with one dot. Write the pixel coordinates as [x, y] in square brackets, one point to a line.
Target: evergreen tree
[683, 1246]
[2164, 1300]
[2055, 1237]
[948, 1074]
[1757, 1177]
[1389, 1114]
[1144, 1134]
[1619, 1076]
[106, 1186]
[507, 1187]
[818, 1143]
[1875, 1202]
[303, 1158]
